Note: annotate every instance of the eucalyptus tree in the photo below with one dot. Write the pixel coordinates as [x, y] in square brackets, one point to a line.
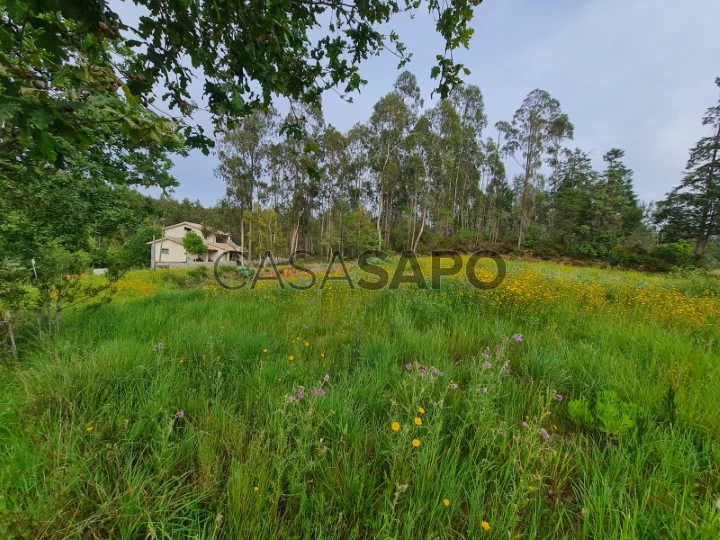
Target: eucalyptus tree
[335, 197]
[243, 162]
[537, 127]
[417, 171]
[467, 191]
[692, 209]
[494, 217]
[300, 171]
[389, 124]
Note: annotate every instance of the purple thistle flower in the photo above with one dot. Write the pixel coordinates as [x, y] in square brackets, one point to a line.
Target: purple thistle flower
[423, 371]
[559, 397]
[326, 378]
[300, 393]
[318, 392]
[544, 434]
[524, 424]
[180, 414]
[518, 338]
[408, 367]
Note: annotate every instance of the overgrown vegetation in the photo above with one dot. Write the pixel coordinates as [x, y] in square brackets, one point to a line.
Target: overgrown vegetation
[564, 405]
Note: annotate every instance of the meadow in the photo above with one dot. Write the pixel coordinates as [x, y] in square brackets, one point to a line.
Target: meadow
[568, 402]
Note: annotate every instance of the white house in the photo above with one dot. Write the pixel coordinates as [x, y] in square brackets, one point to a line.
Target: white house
[170, 250]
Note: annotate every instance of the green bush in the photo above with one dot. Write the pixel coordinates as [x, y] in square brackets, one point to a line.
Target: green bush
[607, 414]
[199, 272]
[677, 253]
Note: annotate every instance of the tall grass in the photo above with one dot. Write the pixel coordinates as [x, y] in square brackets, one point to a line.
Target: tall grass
[164, 417]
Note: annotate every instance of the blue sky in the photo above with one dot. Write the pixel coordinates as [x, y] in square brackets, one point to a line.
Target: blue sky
[637, 75]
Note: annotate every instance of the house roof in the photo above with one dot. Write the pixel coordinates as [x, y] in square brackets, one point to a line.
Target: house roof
[221, 245]
[166, 239]
[196, 225]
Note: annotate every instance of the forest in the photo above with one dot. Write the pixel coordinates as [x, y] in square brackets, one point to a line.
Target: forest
[417, 178]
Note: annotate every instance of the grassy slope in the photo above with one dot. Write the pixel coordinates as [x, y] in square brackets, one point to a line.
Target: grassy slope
[91, 445]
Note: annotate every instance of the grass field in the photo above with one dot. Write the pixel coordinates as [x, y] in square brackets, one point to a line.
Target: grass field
[566, 403]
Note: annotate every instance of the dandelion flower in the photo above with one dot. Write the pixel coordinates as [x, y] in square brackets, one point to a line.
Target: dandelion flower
[307, 343]
[256, 489]
[416, 443]
[446, 502]
[395, 426]
[89, 428]
[292, 357]
[418, 421]
[421, 410]
[265, 350]
[485, 525]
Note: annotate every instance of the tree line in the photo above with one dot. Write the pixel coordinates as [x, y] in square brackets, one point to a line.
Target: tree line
[81, 129]
[419, 178]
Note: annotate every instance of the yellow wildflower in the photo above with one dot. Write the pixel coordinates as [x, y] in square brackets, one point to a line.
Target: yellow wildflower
[446, 502]
[485, 525]
[265, 350]
[256, 489]
[292, 357]
[89, 428]
[421, 410]
[395, 426]
[307, 343]
[418, 421]
[416, 443]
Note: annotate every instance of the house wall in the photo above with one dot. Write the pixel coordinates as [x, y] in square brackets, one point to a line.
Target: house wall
[178, 231]
[176, 252]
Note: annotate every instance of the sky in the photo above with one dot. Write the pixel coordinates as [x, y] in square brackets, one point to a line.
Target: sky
[636, 75]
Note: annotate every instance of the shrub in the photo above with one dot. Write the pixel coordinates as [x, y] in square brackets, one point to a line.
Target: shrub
[607, 414]
[677, 253]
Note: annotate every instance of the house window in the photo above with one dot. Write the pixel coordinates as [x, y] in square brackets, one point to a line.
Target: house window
[166, 251]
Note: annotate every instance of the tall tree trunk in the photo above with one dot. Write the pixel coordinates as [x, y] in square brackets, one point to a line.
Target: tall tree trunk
[242, 234]
[416, 241]
[250, 242]
[9, 330]
[708, 217]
